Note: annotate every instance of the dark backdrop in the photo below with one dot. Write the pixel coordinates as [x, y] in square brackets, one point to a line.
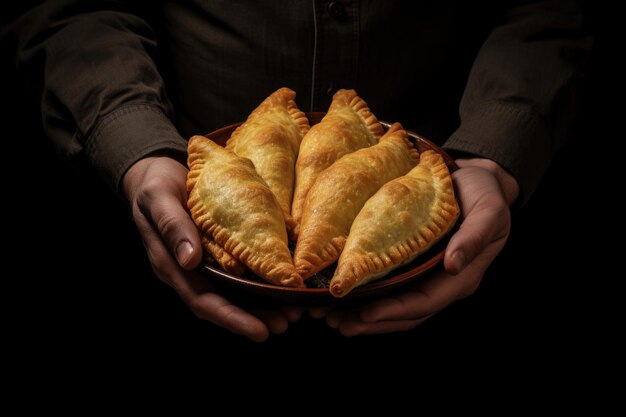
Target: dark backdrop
[79, 290]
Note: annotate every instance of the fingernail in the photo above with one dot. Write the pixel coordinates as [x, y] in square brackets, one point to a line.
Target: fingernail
[184, 250]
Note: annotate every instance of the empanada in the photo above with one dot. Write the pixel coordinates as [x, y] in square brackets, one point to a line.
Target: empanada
[231, 204]
[402, 220]
[223, 258]
[339, 193]
[270, 138]
[349, 125]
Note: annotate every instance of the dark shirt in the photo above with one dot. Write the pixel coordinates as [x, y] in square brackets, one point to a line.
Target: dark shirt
[100, 66]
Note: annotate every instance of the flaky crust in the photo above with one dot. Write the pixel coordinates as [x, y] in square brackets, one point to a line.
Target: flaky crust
[231, 204]
[349, 125]
[270, 138]
[340, 192]
[223, 258]
[402, 220]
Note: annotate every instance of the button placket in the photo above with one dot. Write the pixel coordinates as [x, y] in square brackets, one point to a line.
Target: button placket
[336, 9]
[337, 49]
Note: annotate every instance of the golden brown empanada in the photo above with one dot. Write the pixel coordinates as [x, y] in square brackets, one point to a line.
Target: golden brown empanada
[270, 138]
[339, 193]
[402, 220]
[349, 125]
[231, 204]
[223, 258]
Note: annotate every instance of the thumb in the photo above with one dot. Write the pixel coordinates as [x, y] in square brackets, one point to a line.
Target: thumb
[486, 220]
[176, 228]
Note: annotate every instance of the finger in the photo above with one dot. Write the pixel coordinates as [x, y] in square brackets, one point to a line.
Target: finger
[424, 300]
[163, 263]
[208, 305]
[292, 313]
[163, 207]
[486, 220]
[196, 291]
[335, 317]
[276, 321]
[353, 326]
[216, 309]
[479, 229]
[318, 312]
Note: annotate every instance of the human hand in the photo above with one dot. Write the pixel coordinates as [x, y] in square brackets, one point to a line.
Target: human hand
[485, 192]
[155, 187]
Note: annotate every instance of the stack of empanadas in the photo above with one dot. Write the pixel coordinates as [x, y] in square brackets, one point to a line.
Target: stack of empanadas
[341, 190]
[236, 210]
[404, 218]
[270, 138]
[348, 126]
[339, 193]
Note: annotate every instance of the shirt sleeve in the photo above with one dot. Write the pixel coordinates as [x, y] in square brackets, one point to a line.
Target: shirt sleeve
[92, 65]
[522, 95]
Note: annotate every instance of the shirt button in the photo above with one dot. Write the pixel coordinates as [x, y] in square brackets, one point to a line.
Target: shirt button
[335, 9]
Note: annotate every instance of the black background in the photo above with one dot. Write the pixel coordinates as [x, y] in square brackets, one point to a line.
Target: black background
[78, 288]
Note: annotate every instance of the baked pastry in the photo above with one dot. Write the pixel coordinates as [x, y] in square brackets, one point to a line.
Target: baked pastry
[234, 207]
[349, 125]
[402, 220]
[270, 138]
[339, 193]
[223, 258]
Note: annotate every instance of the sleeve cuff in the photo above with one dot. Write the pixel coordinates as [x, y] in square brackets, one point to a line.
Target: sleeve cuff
[511, 136]
[128, 134]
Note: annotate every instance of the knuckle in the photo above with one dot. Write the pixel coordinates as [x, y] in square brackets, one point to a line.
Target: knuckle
[480, 238]
[150, 190]
[154, 188]
[168, 224]
[225, 311]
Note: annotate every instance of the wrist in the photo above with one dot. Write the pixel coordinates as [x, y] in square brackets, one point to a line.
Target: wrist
[134, 175]
[508, 183]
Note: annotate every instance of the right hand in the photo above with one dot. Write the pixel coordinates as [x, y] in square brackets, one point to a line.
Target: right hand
[155, 187]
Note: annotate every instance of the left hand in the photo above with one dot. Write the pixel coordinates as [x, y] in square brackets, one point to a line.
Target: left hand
[485, 192]
[155, 188]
